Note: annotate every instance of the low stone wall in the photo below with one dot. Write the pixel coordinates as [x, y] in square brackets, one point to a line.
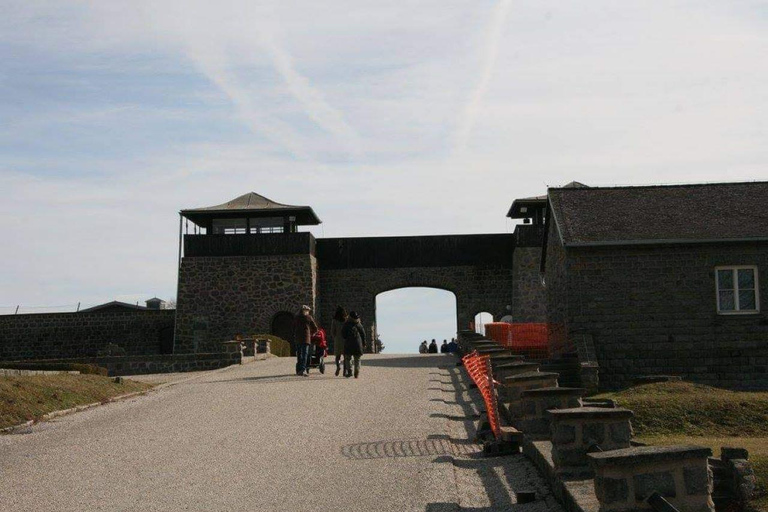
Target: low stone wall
[170, 363]
[624, 479]
[577, 431]
[76, 335]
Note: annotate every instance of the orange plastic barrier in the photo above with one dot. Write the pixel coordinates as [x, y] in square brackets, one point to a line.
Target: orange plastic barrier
[528, 339]
[479, 369]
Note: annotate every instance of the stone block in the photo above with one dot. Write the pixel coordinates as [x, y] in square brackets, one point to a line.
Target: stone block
[529, 408]
[621, 432]
[611, 490]
[564, 434]
[680, 474]
[697, 479]
[727, 453]
[593, 433]
[663, 482]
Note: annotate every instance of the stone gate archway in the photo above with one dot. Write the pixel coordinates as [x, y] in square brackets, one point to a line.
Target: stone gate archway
[477, 269]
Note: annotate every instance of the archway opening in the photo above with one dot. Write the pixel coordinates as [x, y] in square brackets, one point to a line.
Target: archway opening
[481, 319]
[407, 316]
[282, 326]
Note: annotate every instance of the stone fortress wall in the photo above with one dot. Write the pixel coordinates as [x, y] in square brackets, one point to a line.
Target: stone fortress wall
[76, 335]
[529, 302]
[220, 297]
[477, 289]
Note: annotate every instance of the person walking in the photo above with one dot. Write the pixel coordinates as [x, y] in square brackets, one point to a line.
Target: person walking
[433, 347]
[354, 344]
[423, 348]
[304, 326]
[337, 324]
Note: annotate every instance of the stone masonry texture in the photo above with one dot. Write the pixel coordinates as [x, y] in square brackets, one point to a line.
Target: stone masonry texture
[220, 297]
[529, 301]
[477, 289]
[72, 335]
[652, 310]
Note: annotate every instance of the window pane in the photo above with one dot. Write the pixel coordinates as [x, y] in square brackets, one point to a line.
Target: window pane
[725, 279]
[746, 278]
[726, 301]
[747, 300]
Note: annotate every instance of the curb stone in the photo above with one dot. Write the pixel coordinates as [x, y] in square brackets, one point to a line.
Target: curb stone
[78, 408]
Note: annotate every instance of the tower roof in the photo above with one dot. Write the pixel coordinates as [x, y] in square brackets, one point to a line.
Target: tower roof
[253, 205]
[535, 202]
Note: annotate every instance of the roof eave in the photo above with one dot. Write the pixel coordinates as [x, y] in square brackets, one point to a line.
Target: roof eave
[665, 241]
[524, 201]
[263, 211]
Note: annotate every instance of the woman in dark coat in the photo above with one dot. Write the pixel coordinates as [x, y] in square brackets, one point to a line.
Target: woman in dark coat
[354, 343]
[337, 324]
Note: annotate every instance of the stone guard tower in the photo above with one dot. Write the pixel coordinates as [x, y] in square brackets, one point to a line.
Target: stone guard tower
[235, 256]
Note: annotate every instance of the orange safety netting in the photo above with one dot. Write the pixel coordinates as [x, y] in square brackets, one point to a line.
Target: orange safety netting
[479, 369]
[529, 339]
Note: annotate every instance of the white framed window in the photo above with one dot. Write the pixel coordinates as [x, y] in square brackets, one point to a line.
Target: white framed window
[737, 290]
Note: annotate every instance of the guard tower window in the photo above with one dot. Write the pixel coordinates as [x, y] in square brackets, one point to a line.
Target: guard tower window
[267, 225]
[230, 226]
[737, 290]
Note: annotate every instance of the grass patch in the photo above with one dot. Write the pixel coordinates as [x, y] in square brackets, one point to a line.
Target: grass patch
[24, 398]
[669, 408]
[684, 413]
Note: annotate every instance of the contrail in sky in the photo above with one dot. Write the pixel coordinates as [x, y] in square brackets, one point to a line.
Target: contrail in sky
[489, 56]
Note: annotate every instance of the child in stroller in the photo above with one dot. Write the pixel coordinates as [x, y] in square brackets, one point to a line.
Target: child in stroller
[318, 351]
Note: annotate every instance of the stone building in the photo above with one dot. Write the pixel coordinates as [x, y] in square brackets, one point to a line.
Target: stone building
[246, 268]
[661, 280]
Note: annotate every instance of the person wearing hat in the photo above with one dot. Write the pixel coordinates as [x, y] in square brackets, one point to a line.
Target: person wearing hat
[304, 327]
[354, 343]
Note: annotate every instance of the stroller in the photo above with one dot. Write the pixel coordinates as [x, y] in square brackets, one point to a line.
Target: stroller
[318, 351]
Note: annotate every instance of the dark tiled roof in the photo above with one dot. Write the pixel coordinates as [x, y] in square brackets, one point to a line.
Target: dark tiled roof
[673, 213]
[247, 202]
[255, 204]
[535, 201]
[113, 306]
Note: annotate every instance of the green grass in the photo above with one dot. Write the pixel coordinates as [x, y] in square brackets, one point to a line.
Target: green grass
[684, 413]
[25, 398]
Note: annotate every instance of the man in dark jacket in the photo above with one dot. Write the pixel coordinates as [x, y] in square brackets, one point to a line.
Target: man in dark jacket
[304, 327]
[433, 347]
[354, 343]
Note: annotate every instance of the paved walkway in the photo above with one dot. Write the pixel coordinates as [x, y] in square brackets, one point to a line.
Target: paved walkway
[256, 437]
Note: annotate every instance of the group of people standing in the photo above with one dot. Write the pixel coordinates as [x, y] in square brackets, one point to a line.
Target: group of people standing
[348, 337]
[348, 341]
[445, 348]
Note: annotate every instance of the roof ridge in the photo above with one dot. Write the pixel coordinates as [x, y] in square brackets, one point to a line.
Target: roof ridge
[670, 185]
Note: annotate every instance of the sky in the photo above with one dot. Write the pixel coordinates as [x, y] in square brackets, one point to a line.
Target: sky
[389, 118]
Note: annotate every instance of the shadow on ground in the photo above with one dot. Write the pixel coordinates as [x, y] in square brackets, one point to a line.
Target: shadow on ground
[415, 361]
[501, 477]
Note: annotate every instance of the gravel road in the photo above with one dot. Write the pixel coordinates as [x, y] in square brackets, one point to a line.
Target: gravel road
[256, 437]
